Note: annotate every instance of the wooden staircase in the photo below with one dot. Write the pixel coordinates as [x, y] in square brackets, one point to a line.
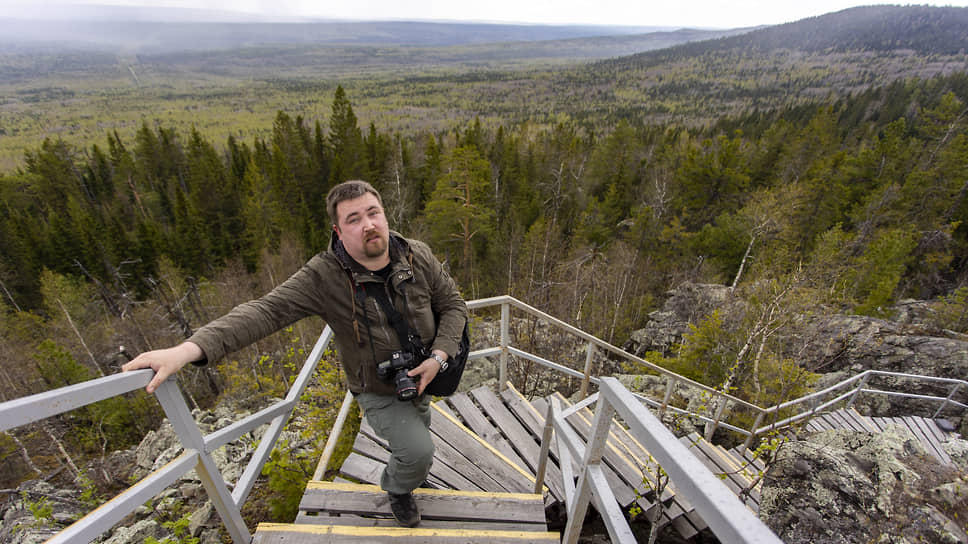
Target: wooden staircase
[480, 488]
[482, 480]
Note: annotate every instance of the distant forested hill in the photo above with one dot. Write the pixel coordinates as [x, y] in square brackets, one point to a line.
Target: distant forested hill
[816, 59]
[921, 29]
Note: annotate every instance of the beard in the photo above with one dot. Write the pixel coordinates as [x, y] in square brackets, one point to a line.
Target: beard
[374, 247]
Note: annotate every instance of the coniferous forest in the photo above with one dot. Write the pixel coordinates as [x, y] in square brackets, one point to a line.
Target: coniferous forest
[641, 176]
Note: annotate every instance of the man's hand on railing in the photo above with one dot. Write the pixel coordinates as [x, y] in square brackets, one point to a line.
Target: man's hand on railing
[165, 362]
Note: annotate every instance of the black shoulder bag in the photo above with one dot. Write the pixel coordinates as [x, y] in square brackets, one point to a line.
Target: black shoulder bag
[445, 383]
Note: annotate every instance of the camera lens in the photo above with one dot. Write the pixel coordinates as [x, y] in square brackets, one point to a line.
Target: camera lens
[406, 387]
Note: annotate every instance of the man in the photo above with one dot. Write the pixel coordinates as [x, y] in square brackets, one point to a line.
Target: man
[366, 268]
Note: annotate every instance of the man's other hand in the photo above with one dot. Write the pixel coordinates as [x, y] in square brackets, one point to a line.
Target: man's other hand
[426, 371]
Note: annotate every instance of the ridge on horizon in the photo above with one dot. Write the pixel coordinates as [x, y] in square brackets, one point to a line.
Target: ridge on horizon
[95, 12]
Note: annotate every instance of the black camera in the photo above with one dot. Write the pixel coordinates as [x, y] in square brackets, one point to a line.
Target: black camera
[395, 370]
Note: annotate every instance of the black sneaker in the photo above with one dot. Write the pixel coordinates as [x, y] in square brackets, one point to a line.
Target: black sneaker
[404, 509]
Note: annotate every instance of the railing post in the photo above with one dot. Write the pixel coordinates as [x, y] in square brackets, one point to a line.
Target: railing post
[589, 358]
[593, 458]
[941, 408]
[670, 387]
[184, 426]
[545, 449]
[714, 424]
[505, 341]
[756, 425]
[344, 411]
[860, 386]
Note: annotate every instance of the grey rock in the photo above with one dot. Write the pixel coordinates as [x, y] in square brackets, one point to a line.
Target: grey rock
[137, 532]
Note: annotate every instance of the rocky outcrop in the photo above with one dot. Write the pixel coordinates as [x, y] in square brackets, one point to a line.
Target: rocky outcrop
[846, 487]
[837, 346]
[685, 305]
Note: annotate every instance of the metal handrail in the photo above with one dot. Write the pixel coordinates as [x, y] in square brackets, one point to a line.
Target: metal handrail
[723, 399]
[198, 449]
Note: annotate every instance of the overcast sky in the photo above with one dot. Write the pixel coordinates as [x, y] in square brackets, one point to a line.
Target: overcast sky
[675, 13]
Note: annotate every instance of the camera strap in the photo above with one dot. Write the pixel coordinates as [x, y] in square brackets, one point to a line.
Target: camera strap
[409, 339]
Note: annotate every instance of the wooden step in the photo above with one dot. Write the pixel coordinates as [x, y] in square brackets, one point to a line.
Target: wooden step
[279, 533]
[463, 509]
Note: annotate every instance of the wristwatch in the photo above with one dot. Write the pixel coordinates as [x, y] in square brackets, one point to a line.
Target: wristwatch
[442, 361]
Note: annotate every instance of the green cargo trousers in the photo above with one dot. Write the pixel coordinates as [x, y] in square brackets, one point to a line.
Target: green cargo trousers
[405, 425]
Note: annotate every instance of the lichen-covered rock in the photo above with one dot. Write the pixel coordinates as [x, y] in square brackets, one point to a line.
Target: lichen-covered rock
[852, 487]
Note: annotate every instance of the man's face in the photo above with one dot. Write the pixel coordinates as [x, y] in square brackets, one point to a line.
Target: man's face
[363, 228]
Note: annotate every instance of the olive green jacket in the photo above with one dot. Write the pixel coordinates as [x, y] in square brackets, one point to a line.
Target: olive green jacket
[333, 286]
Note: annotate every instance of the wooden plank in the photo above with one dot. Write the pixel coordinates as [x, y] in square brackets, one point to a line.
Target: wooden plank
[520, 438]
[442, 473]
[826, 422]
[837, 420]
[744, 471]
[366, 446]
[930, 440]
[912, 426]
[478, 422]
[367, 430]
[932, 426]
[725, 467]
[363, 469]
[323, 518]
[433, 503]
[442, 406]
[486, 457]
[881, 422]
[851, 422]
[863, 420]
[812, 427]
[751, 457]
[466, 468]
[278, 533]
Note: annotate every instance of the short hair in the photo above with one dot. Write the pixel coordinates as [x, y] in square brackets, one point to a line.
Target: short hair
[348, 190]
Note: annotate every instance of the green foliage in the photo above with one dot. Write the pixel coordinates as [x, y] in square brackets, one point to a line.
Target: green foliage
[89, 493]
[879, 270]
[288, 473]
[57, 366]
[41, 510]
[180, 533]
[951, 311]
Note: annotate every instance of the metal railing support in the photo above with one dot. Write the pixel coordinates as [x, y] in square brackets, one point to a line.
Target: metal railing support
[947, 400]
[545, 450]
[670, 387]
[183, 424]
[714, 424]
[589, 359]
[756, 425]
[107, 515]
[565, 459]
[591, 464]
[344, 411]
[505, 342]
[860, 387]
